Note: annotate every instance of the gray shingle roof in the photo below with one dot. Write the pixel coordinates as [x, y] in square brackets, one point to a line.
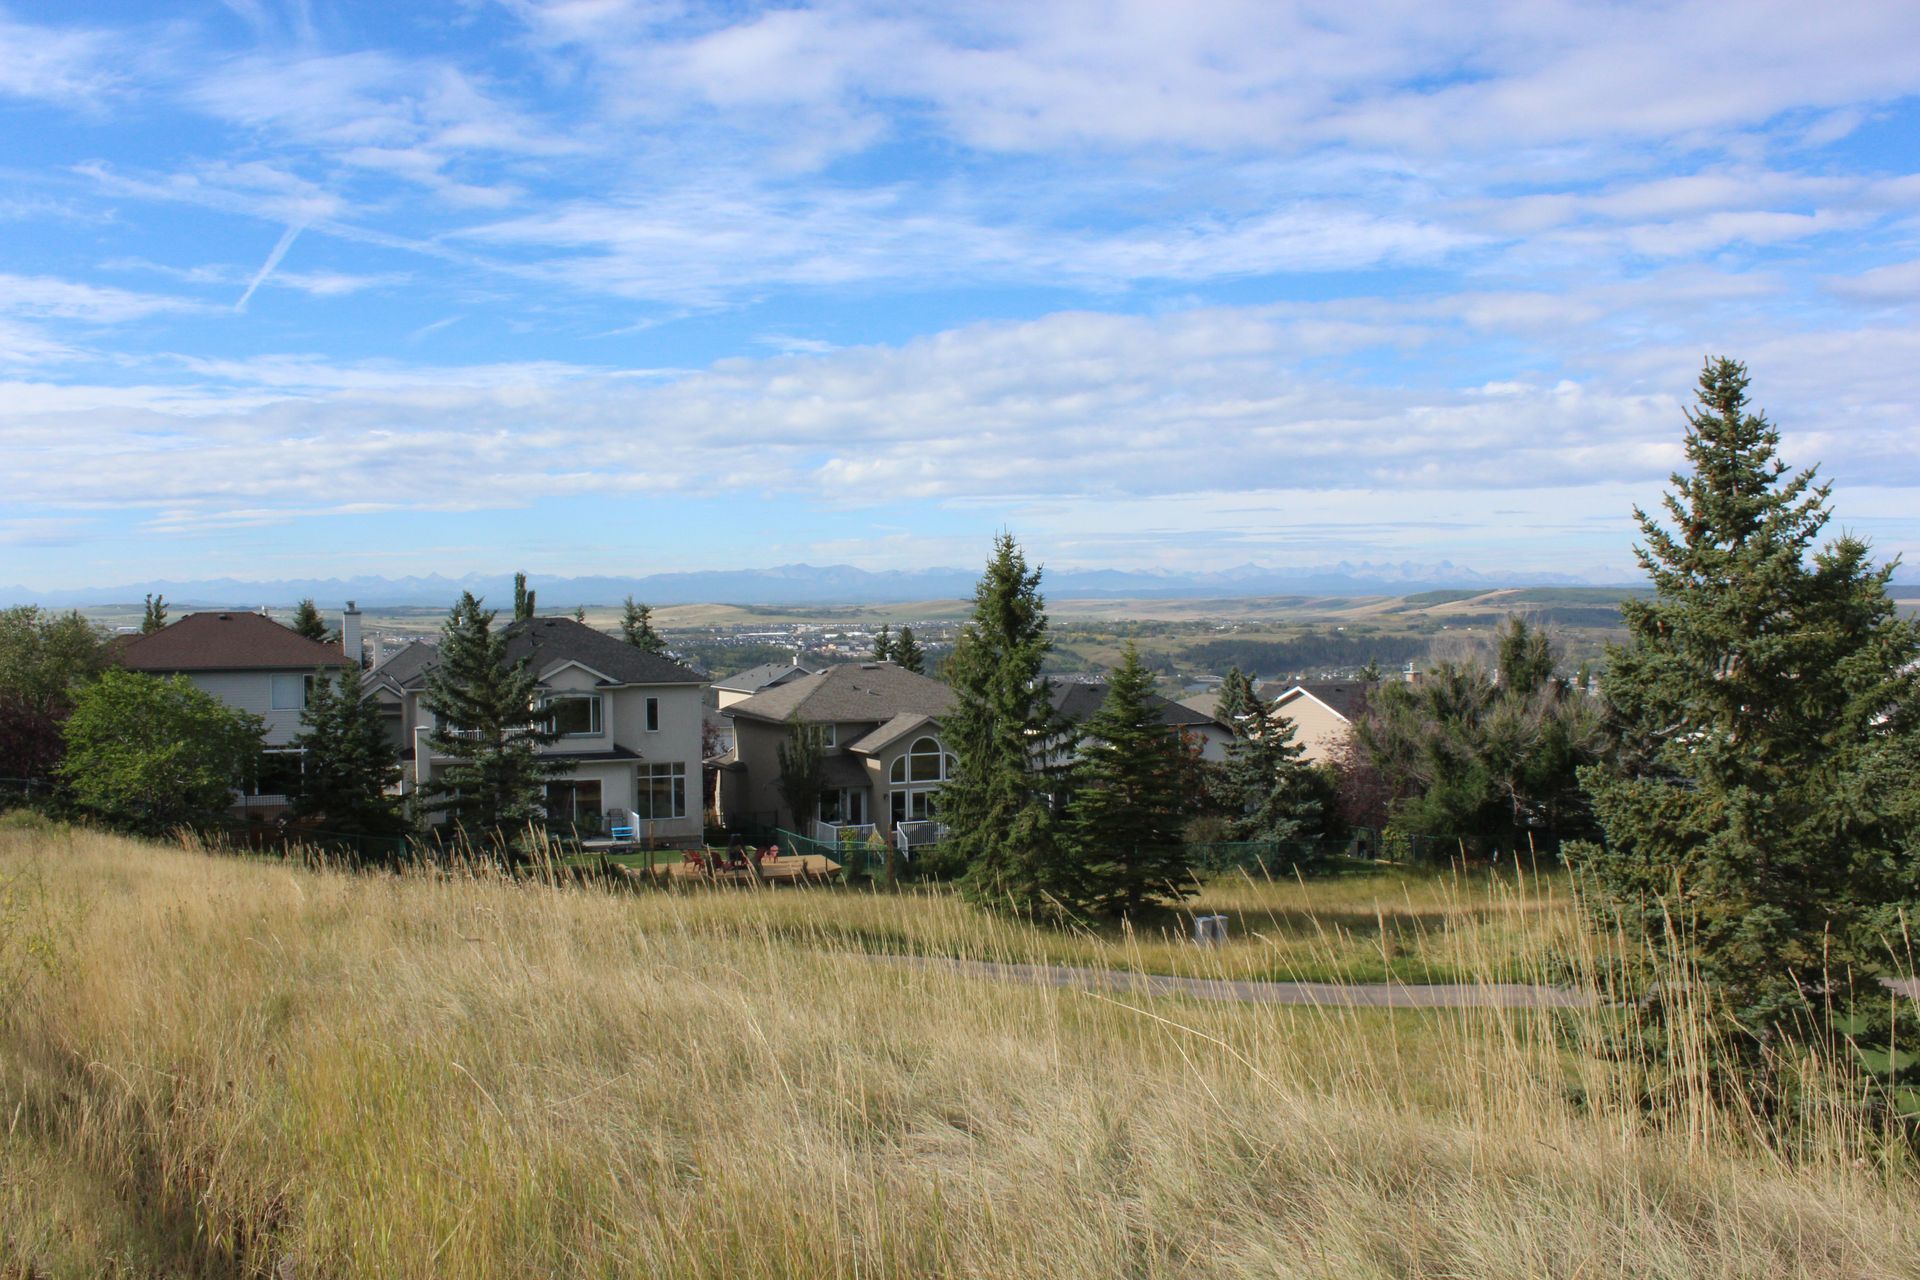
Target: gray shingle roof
[1077, 702]
[546, 641]
[1347, 697]
[861, 692]
[754, 679]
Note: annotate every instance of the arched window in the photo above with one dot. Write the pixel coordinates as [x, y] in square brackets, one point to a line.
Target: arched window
[916, 777]
[924, 761]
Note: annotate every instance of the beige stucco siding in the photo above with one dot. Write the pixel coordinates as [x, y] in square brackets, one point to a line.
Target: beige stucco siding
[1317, 727]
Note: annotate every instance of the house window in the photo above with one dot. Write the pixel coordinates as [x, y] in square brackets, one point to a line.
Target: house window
[829, 735]
[661, 792]
[574, 715]
[278, 773]
[916, 778]
[575, 801]
[290, 692]
[653, 715]
[845, 806]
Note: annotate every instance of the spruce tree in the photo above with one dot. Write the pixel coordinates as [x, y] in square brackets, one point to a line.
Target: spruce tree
[308, 622]
[1763, 799]
[636, 628]
[155, 616]
[1265, 786]
[998, 809]
[883, 644]
[486, 721]
[908, 653]
[522, 599]
[349, 764]
[1129, 800]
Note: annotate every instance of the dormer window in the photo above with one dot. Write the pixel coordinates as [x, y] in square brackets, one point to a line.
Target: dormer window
[574, 715]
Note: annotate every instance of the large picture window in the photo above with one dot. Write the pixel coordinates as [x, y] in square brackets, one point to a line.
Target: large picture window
[662, 792]
[915, 780]
[278, 773]
[574, 715]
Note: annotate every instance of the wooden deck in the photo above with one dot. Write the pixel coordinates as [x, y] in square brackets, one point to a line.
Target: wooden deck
[799, 869]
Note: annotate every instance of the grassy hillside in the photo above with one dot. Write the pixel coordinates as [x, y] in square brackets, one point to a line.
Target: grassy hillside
[217, 1067]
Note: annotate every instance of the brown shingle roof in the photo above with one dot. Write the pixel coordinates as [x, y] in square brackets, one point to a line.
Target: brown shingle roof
[227, 642]
[869, 692]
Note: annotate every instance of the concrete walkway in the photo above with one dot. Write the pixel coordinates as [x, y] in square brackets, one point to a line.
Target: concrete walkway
[1349, 995]
[1361, 995]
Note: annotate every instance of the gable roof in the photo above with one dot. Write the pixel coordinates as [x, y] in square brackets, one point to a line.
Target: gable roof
[891, 732]
[764, 676]
[859, 692]
[549, 642]
[226, 642]
[1345, 698]
[1077, 702]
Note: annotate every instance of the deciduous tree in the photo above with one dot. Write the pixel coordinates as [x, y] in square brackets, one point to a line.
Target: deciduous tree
[803, 765]
[45, 658]
[151, 753]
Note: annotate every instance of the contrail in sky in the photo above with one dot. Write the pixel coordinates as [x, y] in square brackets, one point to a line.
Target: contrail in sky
[273, 260]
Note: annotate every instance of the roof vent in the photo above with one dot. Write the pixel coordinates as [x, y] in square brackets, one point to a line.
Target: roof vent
[226, 617]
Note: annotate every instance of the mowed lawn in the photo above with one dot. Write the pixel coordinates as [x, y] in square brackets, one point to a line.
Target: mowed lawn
[221, 1067]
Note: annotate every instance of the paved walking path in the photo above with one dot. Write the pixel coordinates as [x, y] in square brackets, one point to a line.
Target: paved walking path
[1366, 995]
[1353, 995]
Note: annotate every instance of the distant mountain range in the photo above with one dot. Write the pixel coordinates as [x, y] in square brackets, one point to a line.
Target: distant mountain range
[800, 584]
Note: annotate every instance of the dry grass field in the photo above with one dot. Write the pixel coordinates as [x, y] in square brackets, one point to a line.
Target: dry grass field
[216, 1067]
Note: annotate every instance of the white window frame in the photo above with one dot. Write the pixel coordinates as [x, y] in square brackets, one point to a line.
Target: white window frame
[829, 734]
[274, 699]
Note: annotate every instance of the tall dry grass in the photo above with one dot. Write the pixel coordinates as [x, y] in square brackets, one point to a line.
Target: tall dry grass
[210, 1066]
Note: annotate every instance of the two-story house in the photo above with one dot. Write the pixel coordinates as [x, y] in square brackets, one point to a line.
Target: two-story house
[885, 761]
[254, 664]
[629, 723]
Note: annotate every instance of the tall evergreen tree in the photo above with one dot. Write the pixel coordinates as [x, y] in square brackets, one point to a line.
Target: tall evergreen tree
[308, 622]
[486, 721]
[1265, 786]
[998, 809]
[1129, 800]
[349, 764]
[636, 628]
[155, 616]
[908, 653]
[883, 643]
[522, 599]
[1766, 699]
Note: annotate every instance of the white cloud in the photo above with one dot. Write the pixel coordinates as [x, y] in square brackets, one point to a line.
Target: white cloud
[92, 304]
[65, 65]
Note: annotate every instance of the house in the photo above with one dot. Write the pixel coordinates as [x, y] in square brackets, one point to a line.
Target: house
[770, 675]
[1323, 712]
[885, 761]
[629, 723]
[1076, 702]
[254, 664]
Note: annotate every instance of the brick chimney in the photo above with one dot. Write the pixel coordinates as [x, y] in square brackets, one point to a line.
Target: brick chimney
[350, 635]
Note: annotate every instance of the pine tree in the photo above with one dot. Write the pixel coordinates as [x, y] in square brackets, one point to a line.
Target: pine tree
[1265, 785]
[1129, 800]
[349, 762]
[486, 721]
[1763, 797]
[155, 616]
[308, 622]
[522, 599]
[998, 809]
[883, 644]
[579, 613]
[908, 653]
[636, 628]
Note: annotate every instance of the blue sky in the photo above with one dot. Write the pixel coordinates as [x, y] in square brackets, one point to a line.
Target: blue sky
[593, 286]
